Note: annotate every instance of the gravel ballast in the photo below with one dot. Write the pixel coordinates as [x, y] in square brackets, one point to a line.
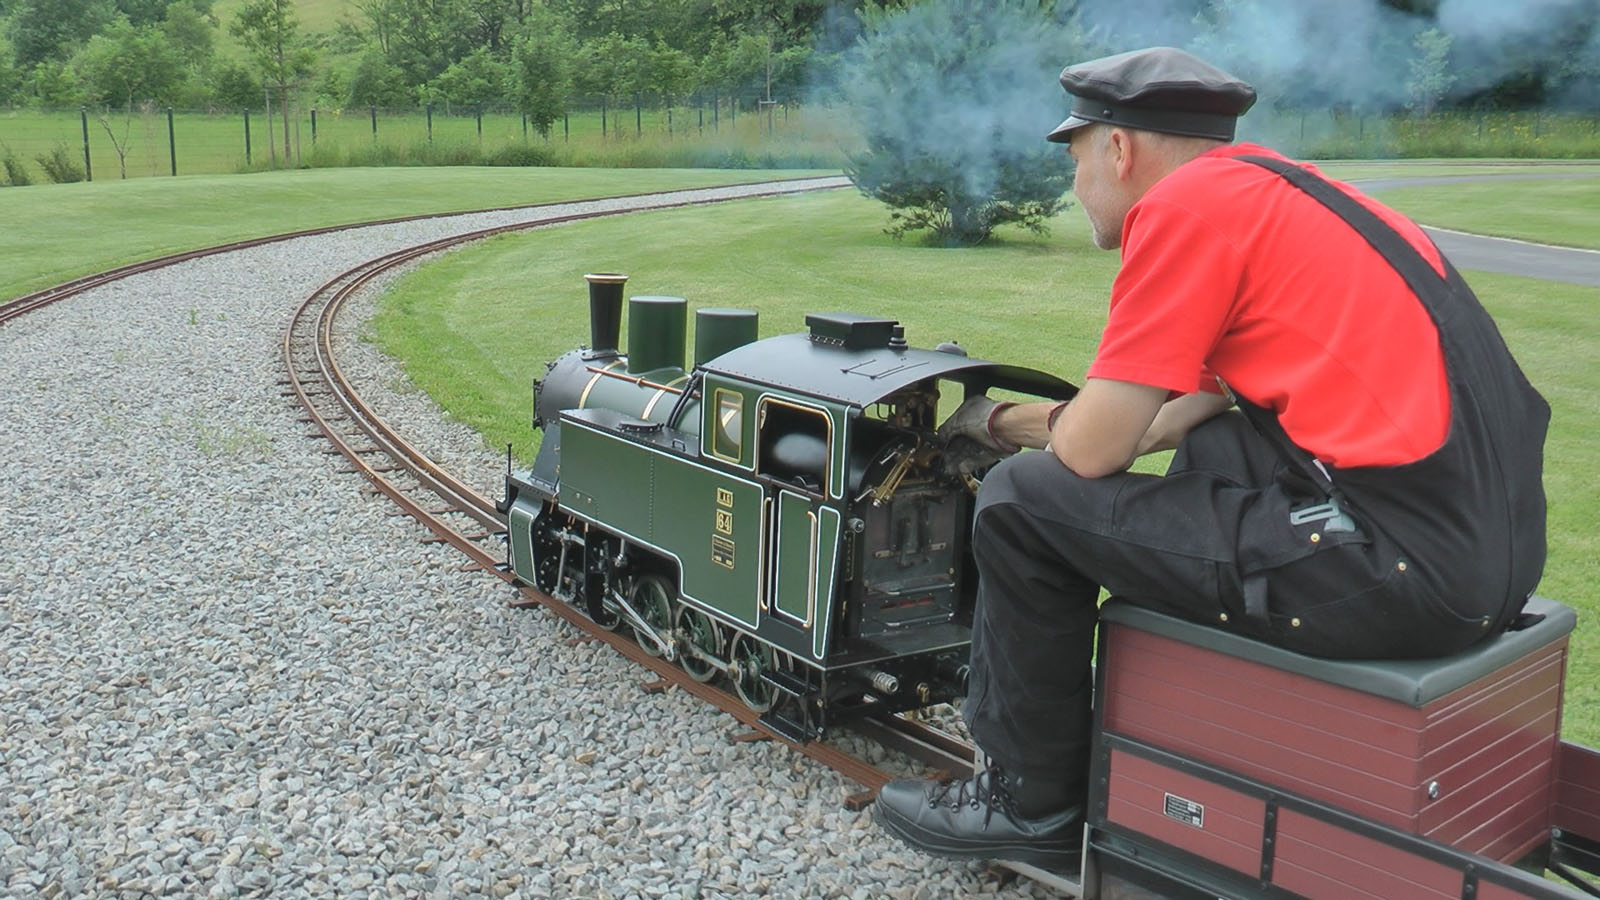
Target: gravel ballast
[226, 669]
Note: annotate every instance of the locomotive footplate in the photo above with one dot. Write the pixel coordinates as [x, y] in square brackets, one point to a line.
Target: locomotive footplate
[929, 639]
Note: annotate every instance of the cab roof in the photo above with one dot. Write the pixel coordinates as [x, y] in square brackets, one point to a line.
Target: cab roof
[828, 369]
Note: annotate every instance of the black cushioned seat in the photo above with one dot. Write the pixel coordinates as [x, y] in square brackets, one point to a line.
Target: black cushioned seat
[1411, 681]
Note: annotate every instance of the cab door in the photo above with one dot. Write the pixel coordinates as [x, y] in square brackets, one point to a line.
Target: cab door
[795, 451]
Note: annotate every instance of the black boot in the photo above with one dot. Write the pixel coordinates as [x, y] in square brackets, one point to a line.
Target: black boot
[991, 815]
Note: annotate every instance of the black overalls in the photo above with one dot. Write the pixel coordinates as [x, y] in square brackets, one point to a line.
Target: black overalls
[1247, 533]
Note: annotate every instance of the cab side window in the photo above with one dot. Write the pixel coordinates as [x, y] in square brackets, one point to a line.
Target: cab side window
[793, 445]
[727, 435]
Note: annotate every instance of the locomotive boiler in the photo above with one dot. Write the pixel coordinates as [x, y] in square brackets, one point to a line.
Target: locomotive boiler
[776, 513]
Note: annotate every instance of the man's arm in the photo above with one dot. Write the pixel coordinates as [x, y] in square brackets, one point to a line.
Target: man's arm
[1108, 424]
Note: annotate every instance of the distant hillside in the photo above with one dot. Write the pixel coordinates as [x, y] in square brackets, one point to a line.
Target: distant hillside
[316, 16]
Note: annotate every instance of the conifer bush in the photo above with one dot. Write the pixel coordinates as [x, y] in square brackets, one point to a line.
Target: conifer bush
[953, 99]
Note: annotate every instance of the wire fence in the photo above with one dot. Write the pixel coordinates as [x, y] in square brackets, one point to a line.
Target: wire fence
[108, 144]
[62, 145]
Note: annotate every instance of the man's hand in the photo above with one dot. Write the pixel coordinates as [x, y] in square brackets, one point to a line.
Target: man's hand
[974, 420]
[965, 458]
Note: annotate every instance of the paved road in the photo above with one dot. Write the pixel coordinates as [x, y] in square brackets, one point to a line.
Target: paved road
[1503, 255]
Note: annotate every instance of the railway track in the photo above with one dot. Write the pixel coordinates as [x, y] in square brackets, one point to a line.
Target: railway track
[458, 515]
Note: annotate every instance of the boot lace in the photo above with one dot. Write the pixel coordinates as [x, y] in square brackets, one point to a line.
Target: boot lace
[985, 790]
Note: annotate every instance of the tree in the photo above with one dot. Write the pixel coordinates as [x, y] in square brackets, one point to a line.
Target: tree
[270, 34]
[128, 65]
[42, 30]
[10, 75]
[234, 87]
[954, 98]
[190, 32]
[52, 84]
[543, 73]
[1430, 71]
[124, 66]
[375, 82]
[476, 79]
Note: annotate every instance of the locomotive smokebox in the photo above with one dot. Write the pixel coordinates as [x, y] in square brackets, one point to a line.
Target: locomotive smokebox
[605, 312]
[656, 328]
[716, 331]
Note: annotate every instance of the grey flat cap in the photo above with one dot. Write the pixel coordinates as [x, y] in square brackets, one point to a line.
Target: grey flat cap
[1158, 89]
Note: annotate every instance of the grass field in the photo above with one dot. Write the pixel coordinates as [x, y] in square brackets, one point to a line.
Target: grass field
[1552, 212]
[1036, 301]
[77, 229]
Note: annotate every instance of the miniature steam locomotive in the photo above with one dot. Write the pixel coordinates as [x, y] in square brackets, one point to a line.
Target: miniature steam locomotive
[778, 513]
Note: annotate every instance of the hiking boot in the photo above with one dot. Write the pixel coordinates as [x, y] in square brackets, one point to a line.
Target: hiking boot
[981, 817]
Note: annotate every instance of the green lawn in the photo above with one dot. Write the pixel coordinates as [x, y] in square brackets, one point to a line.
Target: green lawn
[1036, 301]
[76, 229]
[1563, 212]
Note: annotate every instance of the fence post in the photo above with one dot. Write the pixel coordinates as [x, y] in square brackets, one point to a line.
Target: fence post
[430, 123]
[602, 117]
[88, 171]
[566, 128]
[480, 123]
[373, 111]
[716, 113]
[524, 128]
[313, 126]
[638, 116]
[172, 143]
[247, 137]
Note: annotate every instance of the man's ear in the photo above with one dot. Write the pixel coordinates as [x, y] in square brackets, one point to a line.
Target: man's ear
[1121, 145]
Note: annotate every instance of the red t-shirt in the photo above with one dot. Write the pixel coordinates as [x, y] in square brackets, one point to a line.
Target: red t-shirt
[1230, 272]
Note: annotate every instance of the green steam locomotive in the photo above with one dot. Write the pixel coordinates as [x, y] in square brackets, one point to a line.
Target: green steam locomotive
[779, 513]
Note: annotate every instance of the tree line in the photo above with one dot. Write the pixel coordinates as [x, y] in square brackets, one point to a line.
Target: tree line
[540, 57]
[528, 55]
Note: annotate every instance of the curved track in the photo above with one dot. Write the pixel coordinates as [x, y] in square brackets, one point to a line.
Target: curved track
[372, 462]
[468, 521]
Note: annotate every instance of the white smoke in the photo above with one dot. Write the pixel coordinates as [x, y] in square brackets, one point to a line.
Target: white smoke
[1355, 54]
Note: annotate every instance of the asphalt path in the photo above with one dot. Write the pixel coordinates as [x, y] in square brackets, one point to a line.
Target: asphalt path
[1505, 256]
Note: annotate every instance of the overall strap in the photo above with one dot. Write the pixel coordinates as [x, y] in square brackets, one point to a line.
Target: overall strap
[1421, 277]
[1399, 253]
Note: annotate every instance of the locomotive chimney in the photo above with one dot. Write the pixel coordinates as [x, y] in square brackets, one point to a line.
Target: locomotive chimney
[605, 312]
[655, 333]
[716, 331]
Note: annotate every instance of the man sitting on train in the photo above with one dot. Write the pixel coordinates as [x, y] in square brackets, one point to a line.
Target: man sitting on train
[1358, 465]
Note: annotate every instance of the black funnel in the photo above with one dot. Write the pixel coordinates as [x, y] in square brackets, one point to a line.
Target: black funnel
[605, 312]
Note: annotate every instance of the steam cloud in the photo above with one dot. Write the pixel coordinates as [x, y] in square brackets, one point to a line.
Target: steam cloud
[1311, 54]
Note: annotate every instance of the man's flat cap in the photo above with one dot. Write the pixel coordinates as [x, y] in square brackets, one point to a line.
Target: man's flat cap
[1159, 89]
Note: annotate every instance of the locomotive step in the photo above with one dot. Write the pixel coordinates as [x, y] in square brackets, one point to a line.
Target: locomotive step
[785, 682]
[785, 727]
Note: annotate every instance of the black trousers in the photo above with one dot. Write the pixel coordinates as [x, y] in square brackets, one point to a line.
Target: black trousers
[1046, 541]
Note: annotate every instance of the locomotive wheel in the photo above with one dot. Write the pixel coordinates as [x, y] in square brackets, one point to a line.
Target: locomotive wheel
[653, 597]
[697, 630]
[750, 659]
[546, 556]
